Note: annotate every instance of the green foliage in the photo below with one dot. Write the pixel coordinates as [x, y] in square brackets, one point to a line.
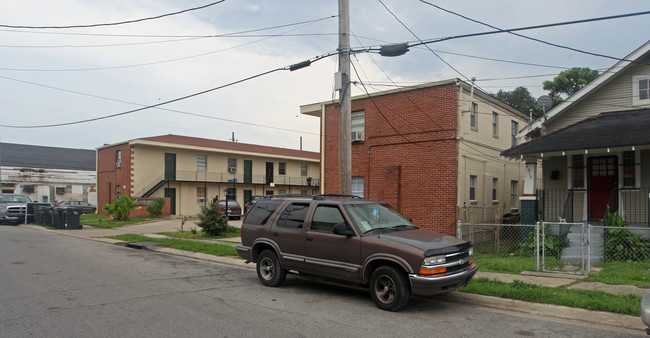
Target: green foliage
[211, 220]
[182, 244]
[568, 82]
[553, 244]
[520, 99]
[623, 245]
[120, 210]
[155, 209]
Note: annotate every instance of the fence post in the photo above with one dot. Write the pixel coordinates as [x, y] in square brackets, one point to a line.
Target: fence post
[588, 248]
[459, 231]
[537, 245]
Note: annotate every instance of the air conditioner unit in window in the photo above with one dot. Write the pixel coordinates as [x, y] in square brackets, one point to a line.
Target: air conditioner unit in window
[232, 169]
[357, 136]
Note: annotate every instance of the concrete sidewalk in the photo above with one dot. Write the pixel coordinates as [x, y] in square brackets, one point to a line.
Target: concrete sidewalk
[151, 229]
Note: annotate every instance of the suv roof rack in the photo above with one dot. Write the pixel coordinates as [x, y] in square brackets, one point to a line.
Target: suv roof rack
[288, 196]
[323, 196]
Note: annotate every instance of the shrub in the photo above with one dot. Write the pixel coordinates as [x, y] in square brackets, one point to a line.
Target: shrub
[553, 244]
[155, 209]
[211, 220]
[120, 210]
[621, 244]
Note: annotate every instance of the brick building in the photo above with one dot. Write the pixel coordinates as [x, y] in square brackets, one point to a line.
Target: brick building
[430, 150]
[190, 171]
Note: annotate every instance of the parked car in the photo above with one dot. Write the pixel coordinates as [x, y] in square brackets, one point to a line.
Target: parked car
[354, 241]
[251, 202]
[233, 211]
[13, 208]
[83, 207]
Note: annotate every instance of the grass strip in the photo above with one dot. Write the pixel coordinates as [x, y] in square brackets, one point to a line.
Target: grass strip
[104, 222]
[583, 299]
[182, 244]
[193, 234]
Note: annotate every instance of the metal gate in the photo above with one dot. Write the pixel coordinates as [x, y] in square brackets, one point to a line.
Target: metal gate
[562, 247]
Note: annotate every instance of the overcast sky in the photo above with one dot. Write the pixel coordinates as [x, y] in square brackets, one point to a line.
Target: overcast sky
[63, 76]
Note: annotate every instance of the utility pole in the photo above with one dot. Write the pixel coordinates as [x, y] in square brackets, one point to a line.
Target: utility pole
[345, 103]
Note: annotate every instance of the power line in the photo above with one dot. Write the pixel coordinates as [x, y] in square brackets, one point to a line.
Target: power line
[292, 67]
[115, 23]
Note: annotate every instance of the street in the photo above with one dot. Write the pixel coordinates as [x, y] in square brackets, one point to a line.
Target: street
[60, 286]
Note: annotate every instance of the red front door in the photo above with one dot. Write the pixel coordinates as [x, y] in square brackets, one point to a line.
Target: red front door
[602, 186]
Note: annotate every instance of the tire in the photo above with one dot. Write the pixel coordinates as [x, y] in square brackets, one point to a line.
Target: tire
[389, 288]
[269, 270]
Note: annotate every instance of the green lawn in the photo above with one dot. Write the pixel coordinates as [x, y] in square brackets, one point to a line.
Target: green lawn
[194, 234]
[102, 221]
[182, 244]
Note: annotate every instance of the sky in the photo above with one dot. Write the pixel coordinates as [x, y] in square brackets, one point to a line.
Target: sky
[84, 87]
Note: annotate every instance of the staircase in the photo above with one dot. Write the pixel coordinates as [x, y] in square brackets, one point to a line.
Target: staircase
[572, 253]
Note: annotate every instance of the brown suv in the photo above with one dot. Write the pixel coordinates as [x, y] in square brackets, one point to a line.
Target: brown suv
[356, 241]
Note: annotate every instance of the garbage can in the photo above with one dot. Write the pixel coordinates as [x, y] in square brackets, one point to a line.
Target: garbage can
[38, 214]
[57, 218]
[47, 215]
[71, 219]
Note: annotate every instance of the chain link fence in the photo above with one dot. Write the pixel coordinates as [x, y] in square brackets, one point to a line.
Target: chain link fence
[573, 248]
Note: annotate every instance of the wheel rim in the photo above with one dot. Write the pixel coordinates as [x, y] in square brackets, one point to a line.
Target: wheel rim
[385, 289]
[267, 269]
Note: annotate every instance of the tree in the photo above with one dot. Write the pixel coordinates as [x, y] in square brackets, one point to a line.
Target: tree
[211, 220]
[568, 82]
[520, 99]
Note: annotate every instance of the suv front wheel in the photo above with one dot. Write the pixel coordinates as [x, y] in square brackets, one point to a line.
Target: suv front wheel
[389, 288]
[269, 270]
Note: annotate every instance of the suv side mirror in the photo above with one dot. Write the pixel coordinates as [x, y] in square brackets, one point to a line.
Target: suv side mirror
[342, 229]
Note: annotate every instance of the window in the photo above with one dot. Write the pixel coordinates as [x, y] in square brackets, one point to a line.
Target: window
[577, 172]
[495, 184]
[495, 124]
[629, 169]
[358, 125]
[262, 211]
[641, 87]
[118, 159]
[513, 133]
[293, 216]
[232, 165]
[472, 188]
[303, 170]
[61, 190]
[325, 217]
[514, 198]
[200, 194]
[473, 116]
[118, 191]
[357, 186]
[202, 162]
[282, 168]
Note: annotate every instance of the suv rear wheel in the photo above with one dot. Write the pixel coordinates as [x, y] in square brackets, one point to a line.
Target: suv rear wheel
[269, 270]
[389, 288]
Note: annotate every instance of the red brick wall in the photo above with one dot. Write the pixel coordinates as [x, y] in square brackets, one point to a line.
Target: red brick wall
[409, 156]
[108, 176]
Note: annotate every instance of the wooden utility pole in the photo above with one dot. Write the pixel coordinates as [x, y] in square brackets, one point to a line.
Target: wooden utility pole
[345, 105]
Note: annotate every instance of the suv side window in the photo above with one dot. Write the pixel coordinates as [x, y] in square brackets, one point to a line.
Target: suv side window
[293, 216]
[325, 217]
[261, 212]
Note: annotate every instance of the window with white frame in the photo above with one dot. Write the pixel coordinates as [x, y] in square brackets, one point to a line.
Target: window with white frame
[358, 125]
[357, 186]
[303, 170]
[472, 187]
[495, 124]
[282, 168]
[118, 159]
[578, 171]
[514, 197]
[495, 184]
[200, 194]
[513, 133]
[201, 162]
[641, 90]
[629, 169]
[232, 165]
[473, 116]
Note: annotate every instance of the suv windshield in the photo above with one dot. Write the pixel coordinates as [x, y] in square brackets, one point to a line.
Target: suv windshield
[371, 217]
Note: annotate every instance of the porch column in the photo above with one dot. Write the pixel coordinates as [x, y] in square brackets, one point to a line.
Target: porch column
[529, 198]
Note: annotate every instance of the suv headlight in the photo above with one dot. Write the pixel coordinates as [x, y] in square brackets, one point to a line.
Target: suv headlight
[434, 260]
[3, 208]
[471, 252]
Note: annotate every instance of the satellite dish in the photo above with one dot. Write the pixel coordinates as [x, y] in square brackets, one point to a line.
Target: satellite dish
[545, 102]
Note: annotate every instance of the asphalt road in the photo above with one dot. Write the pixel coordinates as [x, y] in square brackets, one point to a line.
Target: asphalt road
[59, 286]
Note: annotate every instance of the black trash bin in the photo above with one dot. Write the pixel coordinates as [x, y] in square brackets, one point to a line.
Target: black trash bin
[38, 214]
[47, 215]
[71, 219]
[58, 218]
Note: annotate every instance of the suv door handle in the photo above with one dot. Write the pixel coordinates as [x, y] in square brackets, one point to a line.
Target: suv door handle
[309, 238]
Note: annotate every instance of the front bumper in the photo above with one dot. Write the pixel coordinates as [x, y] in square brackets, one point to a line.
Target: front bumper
[422, 285]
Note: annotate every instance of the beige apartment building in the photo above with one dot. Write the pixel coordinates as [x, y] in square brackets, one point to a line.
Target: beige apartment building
[191, 171]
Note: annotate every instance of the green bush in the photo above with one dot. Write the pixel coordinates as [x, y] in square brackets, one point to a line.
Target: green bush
[621, 244]
[155, 209]
[553, 244]
[211, 220]
[120, 210]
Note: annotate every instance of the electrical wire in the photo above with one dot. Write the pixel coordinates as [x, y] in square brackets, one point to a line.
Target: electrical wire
[169, 101]
[115, 23]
